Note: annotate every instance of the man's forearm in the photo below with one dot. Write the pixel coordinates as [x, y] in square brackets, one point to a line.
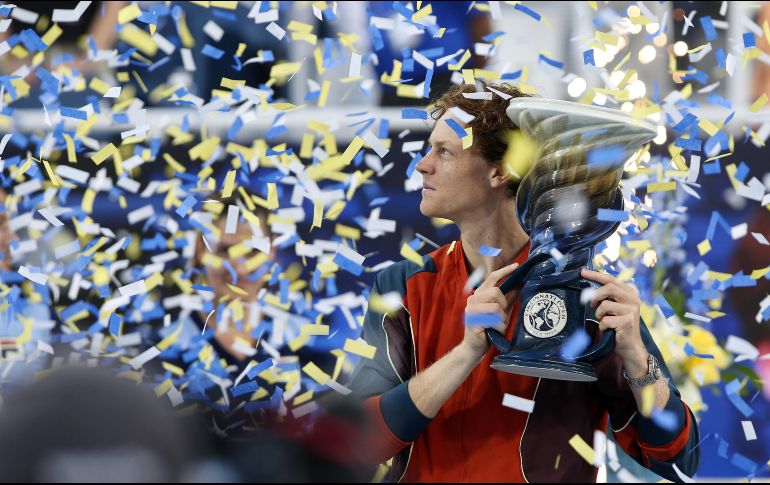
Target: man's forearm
[431, 388]
[661, 394]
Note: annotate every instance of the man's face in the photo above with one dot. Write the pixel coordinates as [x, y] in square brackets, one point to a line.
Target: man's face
[220, 277]
[456, 182]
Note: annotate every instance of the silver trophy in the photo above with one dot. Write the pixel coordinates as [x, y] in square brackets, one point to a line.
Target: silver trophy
[583, 150]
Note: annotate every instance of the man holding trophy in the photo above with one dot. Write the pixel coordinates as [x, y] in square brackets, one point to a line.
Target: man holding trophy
[436, 391]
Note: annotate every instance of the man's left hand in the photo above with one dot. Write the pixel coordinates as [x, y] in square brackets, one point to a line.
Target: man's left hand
[617, 307]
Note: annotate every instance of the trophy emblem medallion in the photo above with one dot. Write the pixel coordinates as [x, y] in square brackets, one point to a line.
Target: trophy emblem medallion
[545, 315]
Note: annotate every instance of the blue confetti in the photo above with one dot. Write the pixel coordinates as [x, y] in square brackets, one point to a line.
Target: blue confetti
[188, 204]
[607, 156]
[665, 419]
[749, 40]
[743, 463]
[690, 350]
[686, 122]
[413, 164]
[482, 319]
[32, 42]
[348, 265]
[259, 368]
[211, 51]
[712, 168]
[115, 322]
[732, 389]
[664, 306]
[612, 215]
[73, 113]
[575, 345]
[428, 80]
[485, 250]
[459, 131]
[522, 8]
[413, 114]
[245, 388]
[588, 57]
[692, 144]
[549, 61]
[708, 28]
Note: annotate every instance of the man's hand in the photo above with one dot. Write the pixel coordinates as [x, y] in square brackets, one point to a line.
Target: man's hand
[617, 307]
[487, 299]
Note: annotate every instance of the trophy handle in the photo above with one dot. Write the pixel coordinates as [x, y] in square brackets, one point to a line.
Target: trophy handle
[604, 346]
[513, 280]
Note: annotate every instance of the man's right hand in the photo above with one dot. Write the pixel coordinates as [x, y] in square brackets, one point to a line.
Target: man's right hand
[487, 299]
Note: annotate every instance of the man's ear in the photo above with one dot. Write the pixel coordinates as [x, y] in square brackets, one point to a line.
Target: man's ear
[498, 175]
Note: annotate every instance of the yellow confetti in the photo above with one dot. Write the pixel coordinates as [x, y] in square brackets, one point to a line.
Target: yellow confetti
[759, 103]
[422, 13]
[318, 212]
[129, 13]
[360, 348]
[708, 127]
[347, 232]
[661, 186]
[520, 154]
[314, 330]
[324, 93]
[229, 184]
[704, 247]
[138, 38]
[468, 138]
[236, 290]
[162, 388]
[408, 253]
[316, 373]
[352, 150]
[306, 150]
[87, 204]
[583, 449]
[648, 400]
[456, 67]
[758, 273]
[51, 175]
[284, 69]
[468, 77]
[106, 152]
[53, 33]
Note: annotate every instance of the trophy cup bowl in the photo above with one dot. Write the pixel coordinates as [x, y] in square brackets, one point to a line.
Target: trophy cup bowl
[582, 152]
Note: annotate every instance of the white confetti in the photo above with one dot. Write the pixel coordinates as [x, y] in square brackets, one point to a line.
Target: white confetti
[748, 430]
[518, 403]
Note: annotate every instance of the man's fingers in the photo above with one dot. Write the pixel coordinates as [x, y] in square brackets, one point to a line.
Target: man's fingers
[609, 307]
[596, 276]
[495, 276]
[490, 295]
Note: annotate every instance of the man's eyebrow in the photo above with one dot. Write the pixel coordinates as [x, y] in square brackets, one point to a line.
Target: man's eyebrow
[438, 142]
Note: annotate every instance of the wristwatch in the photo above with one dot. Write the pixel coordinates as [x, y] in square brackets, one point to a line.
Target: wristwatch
[653, 374]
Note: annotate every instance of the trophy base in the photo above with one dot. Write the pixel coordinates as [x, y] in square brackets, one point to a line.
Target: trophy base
[547, 369]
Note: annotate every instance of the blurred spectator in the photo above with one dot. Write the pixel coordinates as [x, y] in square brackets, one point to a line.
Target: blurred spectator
[85, 425]
[23, 321]
[236, 28]
[70, 49]
[464, 25]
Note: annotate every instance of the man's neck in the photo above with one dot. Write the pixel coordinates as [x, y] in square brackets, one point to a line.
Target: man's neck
[497, 229]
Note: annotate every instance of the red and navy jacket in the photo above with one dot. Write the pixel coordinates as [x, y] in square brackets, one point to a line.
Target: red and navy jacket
[474, 437]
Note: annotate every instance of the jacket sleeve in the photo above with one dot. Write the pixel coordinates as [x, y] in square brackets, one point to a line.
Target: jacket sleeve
[381, 383]
[655, 447]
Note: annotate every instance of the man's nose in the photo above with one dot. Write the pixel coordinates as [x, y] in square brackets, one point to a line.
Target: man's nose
[425, 165]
